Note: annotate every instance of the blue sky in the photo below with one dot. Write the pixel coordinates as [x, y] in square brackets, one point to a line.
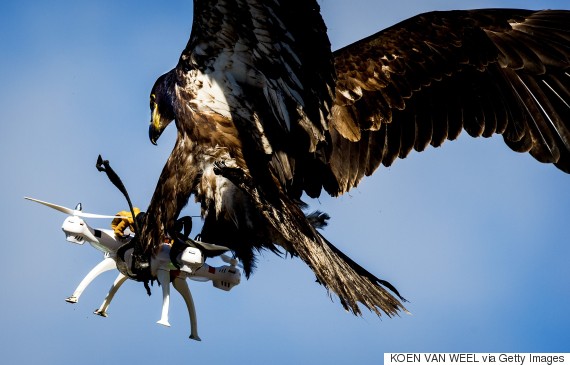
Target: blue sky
[474, 235]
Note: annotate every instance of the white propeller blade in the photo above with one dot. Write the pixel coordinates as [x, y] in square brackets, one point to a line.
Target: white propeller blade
[73, 212]
[91, 215]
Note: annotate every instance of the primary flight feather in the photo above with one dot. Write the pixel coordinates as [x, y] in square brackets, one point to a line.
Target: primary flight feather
[265, 112]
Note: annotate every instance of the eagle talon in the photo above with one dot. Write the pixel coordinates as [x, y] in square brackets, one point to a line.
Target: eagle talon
[234, 174]
[220, 167]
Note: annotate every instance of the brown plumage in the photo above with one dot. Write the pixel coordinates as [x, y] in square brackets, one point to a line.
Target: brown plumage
[265, 112]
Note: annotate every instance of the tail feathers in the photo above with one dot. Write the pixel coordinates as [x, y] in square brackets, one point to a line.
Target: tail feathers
[333, 269]
[348, 280]
[362, 271]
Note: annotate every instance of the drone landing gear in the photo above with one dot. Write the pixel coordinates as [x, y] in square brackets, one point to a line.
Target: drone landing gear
[181, 286]
[105, 265]
[102, 310]
[164, 280]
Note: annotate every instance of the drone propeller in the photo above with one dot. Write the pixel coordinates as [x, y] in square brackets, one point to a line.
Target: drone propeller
[74, 212]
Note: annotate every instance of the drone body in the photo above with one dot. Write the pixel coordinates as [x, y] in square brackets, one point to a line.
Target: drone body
[188, 264]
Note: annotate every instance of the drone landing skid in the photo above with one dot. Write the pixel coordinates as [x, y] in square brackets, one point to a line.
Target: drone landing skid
[102, 310]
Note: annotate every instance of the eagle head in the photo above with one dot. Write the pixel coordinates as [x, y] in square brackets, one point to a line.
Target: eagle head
[161, 105]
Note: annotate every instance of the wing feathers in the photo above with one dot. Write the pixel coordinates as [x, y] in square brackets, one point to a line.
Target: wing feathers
[421, 116]
[556, 97]
[426, 79]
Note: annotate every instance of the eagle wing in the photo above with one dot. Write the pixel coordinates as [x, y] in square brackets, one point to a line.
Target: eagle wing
[424, 80]
[273, 61]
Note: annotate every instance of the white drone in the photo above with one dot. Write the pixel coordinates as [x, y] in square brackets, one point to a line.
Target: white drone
[189, 264]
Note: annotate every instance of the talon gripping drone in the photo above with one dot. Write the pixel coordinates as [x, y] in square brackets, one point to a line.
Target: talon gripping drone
[170, 264]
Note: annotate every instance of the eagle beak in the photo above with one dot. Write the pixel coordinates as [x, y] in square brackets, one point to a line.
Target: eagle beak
[154, 133]
[156, 126]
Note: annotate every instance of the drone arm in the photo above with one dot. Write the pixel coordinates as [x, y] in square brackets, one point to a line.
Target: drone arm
[223, 277]
[102, 310]
[105, 265]
[181, 286]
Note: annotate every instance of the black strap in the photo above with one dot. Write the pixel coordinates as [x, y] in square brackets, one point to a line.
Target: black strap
[140, 267]
[103, 165]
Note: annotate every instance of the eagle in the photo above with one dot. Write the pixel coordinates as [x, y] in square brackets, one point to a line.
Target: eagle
[267, 115]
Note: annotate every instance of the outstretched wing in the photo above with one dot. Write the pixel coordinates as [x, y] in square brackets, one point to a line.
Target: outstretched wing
[427, 78]
[273, 64]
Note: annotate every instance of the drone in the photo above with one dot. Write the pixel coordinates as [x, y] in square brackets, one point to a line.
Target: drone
[166, 266]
